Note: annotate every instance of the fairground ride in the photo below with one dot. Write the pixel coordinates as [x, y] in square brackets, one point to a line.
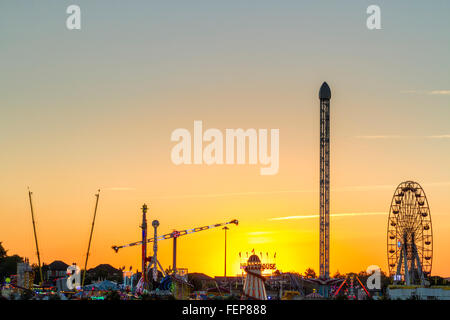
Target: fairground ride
[409, 235]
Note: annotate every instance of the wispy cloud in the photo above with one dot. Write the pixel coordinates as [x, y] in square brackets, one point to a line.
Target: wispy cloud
[261, 193]
[440, 92]
[442, 136]
[388, 186]
[259, 233]
[385, 137]
[363, 188]
[314, 216]
[231, 194]
[430, 92]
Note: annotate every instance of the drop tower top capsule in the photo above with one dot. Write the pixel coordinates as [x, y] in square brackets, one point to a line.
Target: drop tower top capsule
[324, 92]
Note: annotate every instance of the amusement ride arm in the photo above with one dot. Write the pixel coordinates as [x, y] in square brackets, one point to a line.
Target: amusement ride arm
[176, 234]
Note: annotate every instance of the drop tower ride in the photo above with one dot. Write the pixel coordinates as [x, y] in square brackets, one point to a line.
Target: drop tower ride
[324, 97]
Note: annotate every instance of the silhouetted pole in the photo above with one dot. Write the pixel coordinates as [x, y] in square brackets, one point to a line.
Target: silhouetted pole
[35, 237]
[155, 225]
[144, 246]
[174, 254]
[90, 238]
[225, 272]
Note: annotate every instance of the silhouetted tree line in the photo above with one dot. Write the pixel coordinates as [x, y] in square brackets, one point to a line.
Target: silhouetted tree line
[8, 264]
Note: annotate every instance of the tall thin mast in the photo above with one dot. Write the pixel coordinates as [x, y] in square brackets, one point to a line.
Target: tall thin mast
[225, 269]
[90, 237]
[35, 236]
[144, 246]
[155, 225]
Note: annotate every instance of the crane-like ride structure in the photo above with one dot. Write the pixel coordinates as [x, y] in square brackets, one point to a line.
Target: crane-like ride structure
[174, 235]
[35, 237]
[97, 196]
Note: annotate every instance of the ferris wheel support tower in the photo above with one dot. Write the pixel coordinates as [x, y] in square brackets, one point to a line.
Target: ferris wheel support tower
[324, 96]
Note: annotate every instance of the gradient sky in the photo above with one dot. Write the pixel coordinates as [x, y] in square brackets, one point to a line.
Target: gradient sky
[89, 109]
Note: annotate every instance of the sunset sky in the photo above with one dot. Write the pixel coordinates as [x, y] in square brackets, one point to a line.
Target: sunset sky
[95, 108]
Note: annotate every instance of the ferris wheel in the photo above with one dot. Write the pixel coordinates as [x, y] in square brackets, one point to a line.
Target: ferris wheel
[409, 235]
